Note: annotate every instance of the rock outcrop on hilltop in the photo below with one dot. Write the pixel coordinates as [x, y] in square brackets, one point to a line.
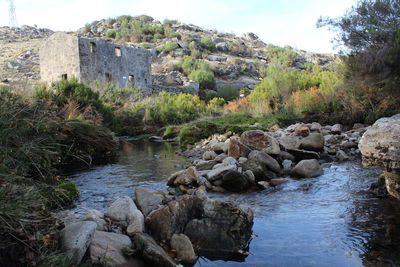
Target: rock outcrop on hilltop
[380, 145]
[236, 61]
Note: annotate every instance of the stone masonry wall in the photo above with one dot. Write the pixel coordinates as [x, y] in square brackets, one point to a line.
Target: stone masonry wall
[59, 56]
[105, 61]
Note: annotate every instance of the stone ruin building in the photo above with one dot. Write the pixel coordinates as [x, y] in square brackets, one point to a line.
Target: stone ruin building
[95, 60]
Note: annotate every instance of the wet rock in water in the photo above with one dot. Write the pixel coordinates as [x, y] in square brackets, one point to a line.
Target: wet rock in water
[76, 238]
[172, 177]
[250, 177]
[341, 156]
[314, 142]
[336, 129]
[107, 249]
[264, 184]
[95, 216]
[259, 140]
[236, 149]
[151, 252]
[307, 169]
[209, 155]
[187, 177]
[235, 181]
[184, 248]
[276, 182]
[203, 165]
[242, 160]
[172, 218]
[157, 139]
[266, 160]
[148, 201]
[300, 154]
[302, 131]
[220, 147]
[216, 174]
[287, 165]
[223, 227]
[380, 145]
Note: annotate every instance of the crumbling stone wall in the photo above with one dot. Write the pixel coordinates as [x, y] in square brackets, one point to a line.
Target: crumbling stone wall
[59, 58]
[94, 60]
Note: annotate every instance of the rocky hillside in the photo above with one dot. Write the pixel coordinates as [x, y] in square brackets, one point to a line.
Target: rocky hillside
[232, 60]
[19, 55]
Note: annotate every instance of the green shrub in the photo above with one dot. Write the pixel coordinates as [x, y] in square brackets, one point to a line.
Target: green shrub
[205, 78]
[171, 132]
[197, 131]
[207, 43]
[228, 92]
[63, 194]
[210, 94]
[170, 47]
[216, 104]
[111, 33]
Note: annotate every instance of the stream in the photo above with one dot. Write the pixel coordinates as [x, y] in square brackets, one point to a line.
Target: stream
[331, 220]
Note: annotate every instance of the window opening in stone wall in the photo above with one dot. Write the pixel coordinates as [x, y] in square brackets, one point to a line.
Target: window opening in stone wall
[92, 47]
[118, 51]
[131, 80]
[108, 77]
[64, 76]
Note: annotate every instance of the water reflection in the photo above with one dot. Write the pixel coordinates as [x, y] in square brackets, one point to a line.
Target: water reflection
[331, 220]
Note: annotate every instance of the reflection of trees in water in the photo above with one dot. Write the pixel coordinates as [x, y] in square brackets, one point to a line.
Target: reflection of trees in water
[153, 160]
[383, 244]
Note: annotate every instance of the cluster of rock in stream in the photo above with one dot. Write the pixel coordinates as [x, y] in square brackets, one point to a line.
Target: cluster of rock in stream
[159, 229]
[257, 159]
[164, 229]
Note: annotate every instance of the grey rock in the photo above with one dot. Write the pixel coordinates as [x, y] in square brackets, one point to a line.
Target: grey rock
[230, 161]
[205, 165]
[151, 251]
[184, 248]
[76, 238]
[313, 142]
[219, 172]
[107, 248]
[235, 181]
[341, 155]
[95, 216]
[220, 157]
[307, 169]
[121, 209]
[148, 201]
[337, 129]
[266, 160]
[209, 155]
[136, 223]
[220, 147]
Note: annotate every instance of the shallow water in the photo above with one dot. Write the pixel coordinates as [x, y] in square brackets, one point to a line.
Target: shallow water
[331, 220]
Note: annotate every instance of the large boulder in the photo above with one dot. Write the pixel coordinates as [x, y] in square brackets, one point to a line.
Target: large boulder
[259, 140]
[148, 201]
[188, 177]
[210, 225]
[235, 181]
[217, 173]
[307, 169]
[266, 160]
[108, 248]
[76, 238]
[236, 149]
[223, 227]
[380, 145]
[151, 252]
[314, 142]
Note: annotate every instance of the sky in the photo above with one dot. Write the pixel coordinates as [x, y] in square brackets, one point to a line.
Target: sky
[279, 22]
